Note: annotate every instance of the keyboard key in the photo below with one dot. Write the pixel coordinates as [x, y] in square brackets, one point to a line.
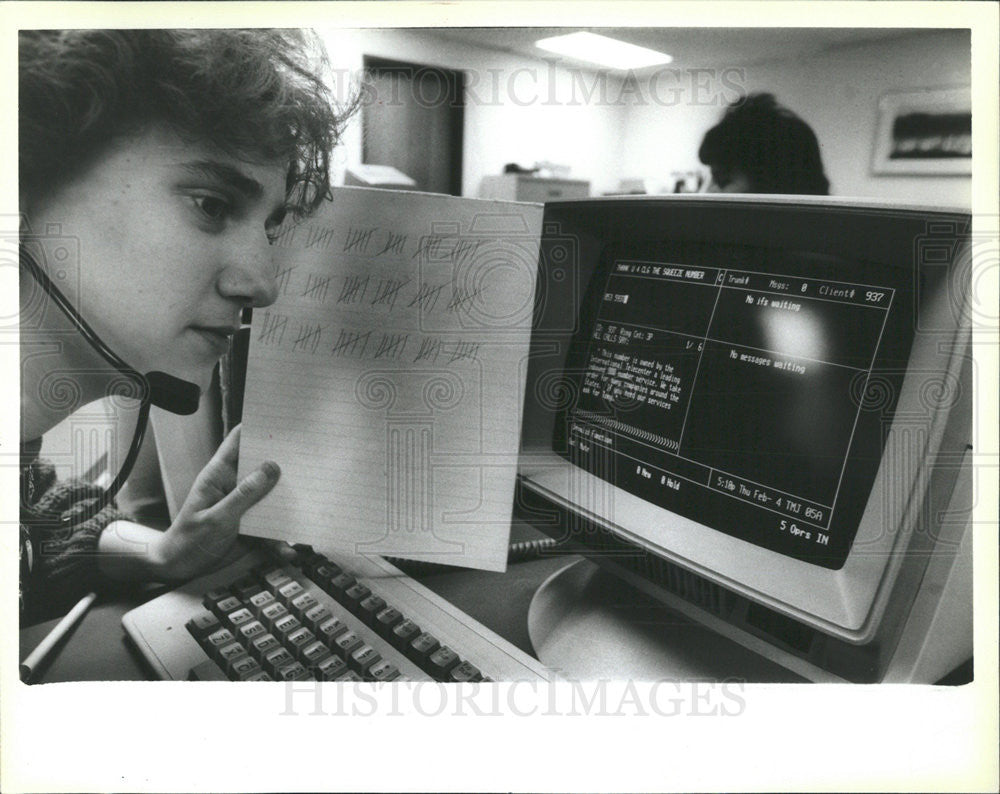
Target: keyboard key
[230, 653]
[259, 676]
[404, 633]
[354, 596]
[383, 671]
[216, 640]
[422, 647]
[363, 658]
[284, 626]
[274, 577]
[243, 668]
[312, 654]
[203, 624]
[294, 672]
[370, 607]
[464, 672]
[386, 619]
[340, 584]
[250, 630]
[238, 617]
[326, 572]
[346, 644]
[275, 583]
[317, 567]
[258, 601]
[350, 675]
[330, 629]
[303, 603]
[213, 597]
[331, 668]
[273, 612]
[276, 659]
[289, 591]
[263, 645]
[309, 563]
[224, 606]
[313, 617]
[299, 639]
[440, 662]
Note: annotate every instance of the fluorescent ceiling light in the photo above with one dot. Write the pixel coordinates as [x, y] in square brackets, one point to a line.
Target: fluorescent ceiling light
[603, 50]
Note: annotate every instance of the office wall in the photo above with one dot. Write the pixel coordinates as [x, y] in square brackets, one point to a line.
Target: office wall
[523, 110]
[837, 93]
[516, 110]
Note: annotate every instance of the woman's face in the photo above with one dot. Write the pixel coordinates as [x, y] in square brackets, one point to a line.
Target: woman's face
[173, 243]
[725, 180]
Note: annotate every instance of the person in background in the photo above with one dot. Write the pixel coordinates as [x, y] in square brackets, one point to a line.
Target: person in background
[761, 147]
[167, 159]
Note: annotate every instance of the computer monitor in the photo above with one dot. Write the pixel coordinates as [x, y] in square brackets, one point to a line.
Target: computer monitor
[758, 409]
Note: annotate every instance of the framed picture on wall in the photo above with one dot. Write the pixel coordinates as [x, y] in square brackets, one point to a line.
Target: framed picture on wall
[927, 131]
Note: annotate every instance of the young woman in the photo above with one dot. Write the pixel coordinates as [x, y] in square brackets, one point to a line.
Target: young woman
[155, 167]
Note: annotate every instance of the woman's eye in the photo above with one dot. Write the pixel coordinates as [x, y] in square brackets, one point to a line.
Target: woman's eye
[272, 228]
[212, 207]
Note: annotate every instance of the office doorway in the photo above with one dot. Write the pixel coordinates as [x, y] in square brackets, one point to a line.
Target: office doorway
[412, 119]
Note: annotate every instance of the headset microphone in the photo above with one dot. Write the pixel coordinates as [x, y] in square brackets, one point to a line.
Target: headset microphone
[172, 394]
[154, 388]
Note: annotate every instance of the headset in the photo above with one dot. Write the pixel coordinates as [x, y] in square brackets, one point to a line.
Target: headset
[152, 388]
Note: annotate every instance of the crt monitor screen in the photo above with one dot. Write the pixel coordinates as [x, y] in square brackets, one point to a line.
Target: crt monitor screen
[733, 389]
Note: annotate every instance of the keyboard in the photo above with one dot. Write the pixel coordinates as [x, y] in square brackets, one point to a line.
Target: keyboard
[319, 618]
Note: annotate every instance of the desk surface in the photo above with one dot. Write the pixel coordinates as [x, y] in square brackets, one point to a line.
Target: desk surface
[98, 650]
[95, 650]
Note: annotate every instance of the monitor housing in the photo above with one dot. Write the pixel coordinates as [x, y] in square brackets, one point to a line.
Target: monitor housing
[758, 410]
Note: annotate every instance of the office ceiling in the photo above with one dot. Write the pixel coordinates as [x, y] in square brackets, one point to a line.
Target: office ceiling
[690, 47]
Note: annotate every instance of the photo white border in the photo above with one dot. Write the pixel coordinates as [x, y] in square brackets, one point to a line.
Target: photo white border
[156, 736]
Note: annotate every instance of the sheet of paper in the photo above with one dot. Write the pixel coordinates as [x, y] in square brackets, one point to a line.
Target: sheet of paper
[387, 380]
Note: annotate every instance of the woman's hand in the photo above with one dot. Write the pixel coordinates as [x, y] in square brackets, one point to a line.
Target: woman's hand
[203, 535]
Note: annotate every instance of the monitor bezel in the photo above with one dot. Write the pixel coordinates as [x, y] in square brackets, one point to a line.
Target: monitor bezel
[850, 602]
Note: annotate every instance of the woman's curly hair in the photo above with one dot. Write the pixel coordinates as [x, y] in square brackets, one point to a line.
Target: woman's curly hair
[776, 149]
[255, 94]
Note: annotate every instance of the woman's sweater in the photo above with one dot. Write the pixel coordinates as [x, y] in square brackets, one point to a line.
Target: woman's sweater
[58, 562]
